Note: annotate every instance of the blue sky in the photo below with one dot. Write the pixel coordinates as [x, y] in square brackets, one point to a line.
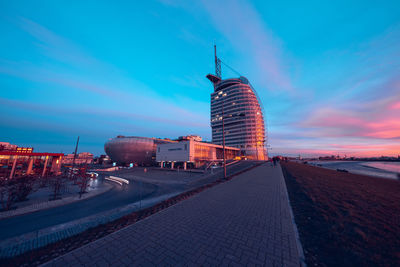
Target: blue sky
[327, 73]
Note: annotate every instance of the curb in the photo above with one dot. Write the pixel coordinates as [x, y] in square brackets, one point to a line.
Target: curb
[296, 232]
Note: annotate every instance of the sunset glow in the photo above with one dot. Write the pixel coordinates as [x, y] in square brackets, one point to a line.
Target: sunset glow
[329, 81]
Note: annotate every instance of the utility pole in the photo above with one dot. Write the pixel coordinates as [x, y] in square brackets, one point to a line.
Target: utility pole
[73, 161]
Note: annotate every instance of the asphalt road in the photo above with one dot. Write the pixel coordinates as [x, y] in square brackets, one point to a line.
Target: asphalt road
[118, 196]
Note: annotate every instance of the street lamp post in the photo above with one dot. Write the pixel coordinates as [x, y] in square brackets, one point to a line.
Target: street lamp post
[73, 161]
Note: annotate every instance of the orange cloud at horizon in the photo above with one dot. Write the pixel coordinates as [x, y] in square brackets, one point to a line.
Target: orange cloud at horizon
[351, 151]
[357, 147]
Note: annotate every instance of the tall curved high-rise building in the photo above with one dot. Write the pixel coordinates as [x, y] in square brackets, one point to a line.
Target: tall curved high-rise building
[236, 108]
[236, 102]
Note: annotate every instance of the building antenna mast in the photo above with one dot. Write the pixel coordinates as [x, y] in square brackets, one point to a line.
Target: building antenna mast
[217, 63]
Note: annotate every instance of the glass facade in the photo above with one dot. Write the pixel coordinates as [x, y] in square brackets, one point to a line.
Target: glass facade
[243, 117]
[202, 152]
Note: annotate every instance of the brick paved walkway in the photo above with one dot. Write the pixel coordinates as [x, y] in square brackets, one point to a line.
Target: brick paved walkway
[245, 221]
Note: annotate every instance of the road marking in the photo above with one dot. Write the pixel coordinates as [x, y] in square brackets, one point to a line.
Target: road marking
[117, 180]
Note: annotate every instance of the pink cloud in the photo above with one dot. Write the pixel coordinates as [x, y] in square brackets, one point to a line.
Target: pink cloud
[395, 105]
[98, 112]
[366, 147]
[365, 150]
[374, 119]
[357, 129]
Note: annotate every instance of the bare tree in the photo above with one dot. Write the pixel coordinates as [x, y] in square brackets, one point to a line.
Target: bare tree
[24, 187]
[15, 190]
[56, 184]
[8, 194]
[83, 179]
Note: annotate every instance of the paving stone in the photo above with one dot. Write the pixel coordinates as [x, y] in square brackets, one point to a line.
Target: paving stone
[245, 221]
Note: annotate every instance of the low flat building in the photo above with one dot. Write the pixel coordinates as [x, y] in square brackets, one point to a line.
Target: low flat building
[5, 146]
[102, 160]
[81, 158]
[192, 152]
[22, 161]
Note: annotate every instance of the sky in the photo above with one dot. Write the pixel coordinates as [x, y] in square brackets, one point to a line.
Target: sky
[327, 72]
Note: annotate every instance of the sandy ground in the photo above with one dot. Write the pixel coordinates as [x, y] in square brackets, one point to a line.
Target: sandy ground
[345, 219]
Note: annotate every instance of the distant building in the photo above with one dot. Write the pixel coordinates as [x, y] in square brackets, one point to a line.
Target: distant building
[192, 151]
[5, 146]
[103, 159]
[190, 137]
[152, 151]
[22, 161]
[81, 158]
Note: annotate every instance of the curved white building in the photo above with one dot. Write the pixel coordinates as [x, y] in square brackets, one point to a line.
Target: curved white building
[236, 101]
